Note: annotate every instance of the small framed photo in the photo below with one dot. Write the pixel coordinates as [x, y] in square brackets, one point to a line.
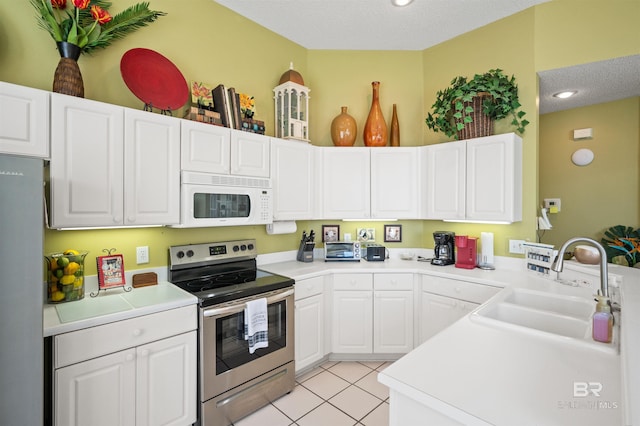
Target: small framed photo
[330, 233]
[393, 233]
[110, 271]
[366, 234]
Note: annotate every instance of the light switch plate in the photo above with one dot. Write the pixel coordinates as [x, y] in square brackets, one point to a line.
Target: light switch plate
[142, 255]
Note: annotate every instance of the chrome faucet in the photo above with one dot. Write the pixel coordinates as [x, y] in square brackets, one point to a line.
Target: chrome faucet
[604, 275]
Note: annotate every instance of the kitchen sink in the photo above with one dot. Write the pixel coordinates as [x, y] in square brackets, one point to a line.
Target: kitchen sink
[545, 314]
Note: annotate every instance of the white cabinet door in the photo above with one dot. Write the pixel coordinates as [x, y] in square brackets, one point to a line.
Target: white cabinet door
[352, 322]
[86, 162]
[151, 169]
[494, 178]
[445, 183]
[346, 183]
[166, 381]
[249, 154]
[393, 321]
[292, 173]
[98, 392]
[439, 312]
[24, 121]
[309, 331]
[394, 183]
[205, 148]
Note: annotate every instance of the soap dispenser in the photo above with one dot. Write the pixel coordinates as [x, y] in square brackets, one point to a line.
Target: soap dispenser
[602, 320]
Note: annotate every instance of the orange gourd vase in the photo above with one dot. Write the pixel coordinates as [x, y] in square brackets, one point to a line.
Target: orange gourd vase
[375, 129]
[344, 129]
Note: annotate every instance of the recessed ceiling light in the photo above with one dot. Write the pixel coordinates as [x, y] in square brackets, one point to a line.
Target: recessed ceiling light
[564, 95]
[400, 2]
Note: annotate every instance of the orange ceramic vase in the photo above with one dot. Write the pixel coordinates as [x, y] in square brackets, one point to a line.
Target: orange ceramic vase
[375, 129]
[344, 129]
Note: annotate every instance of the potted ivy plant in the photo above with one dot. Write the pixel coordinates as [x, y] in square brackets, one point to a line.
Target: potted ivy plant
[468, 108]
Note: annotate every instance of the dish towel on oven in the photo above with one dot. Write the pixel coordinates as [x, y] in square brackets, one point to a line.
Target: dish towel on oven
[256, 326]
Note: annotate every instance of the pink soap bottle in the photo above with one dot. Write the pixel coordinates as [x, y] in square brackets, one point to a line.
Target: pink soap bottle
[602, 320]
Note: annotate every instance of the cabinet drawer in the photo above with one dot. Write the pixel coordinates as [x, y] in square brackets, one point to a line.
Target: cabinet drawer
[462, 290]
[393, 281]
[88, 343]
[353, 282]
[308, 287]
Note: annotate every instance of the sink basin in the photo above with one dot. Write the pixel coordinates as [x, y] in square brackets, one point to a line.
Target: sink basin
[545, 314]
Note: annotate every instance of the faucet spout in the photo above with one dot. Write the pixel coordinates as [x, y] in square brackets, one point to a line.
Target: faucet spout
[558, 263]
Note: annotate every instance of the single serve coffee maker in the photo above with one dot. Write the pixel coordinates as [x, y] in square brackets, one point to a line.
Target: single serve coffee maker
[444, 253]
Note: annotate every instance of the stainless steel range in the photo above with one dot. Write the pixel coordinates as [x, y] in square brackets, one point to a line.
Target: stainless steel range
[232, 381]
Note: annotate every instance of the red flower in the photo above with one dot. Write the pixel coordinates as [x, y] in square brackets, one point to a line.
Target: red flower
[100, 15]
[59, 4]
[81, 4]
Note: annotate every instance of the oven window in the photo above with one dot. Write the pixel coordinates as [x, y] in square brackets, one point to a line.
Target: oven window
[214, 206]
[233, 351]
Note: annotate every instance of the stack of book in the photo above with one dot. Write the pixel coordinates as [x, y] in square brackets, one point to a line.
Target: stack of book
[226, 102]
[203, 115]
[253, 126]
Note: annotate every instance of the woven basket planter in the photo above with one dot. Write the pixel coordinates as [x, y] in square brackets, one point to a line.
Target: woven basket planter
[481, 124]
[67, 78]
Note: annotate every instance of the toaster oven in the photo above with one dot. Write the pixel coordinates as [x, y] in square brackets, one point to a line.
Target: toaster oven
[342, 251]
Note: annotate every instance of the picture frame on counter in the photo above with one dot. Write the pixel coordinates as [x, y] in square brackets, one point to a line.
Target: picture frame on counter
[110, 271]
[392, 233]
[330, 233]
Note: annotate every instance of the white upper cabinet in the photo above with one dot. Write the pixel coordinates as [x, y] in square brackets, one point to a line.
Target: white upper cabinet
[476, 179]
[86, 162]
[24, 121]
[292, 173]
[494, 178]
[213, 149]
[151, 169]
[395, 183]
[111, 168]
[346, 183]
[205, 148]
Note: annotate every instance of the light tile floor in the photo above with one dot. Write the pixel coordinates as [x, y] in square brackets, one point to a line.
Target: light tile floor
[336, 393]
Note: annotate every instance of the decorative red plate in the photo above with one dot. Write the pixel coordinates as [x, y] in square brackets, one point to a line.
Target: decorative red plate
[154, 79]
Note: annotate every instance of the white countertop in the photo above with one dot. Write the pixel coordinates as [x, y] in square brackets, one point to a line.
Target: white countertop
[113, 305]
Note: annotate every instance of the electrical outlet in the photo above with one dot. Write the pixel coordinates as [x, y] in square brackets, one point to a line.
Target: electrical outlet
[553, 204]
[516, 246]
[142, 255]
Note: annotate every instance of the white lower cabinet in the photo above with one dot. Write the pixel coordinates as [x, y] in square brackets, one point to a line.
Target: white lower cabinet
[445, 300]
[309, 322]
[366, 324]
[151, 383]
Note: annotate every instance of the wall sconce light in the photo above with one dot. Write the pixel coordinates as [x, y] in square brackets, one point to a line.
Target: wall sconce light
[582, 157]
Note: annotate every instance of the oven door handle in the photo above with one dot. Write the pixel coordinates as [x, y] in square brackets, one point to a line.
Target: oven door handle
[227, 310]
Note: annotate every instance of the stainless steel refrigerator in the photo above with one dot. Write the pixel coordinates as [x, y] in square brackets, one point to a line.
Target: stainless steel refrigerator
[21, 291]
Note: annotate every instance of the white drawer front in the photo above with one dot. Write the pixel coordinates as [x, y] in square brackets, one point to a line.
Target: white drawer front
[393, 281]
[308, 287]
[353, 282]
[463, 290]
[88, 343]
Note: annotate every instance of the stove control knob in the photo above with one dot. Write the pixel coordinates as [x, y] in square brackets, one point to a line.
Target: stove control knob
[236, 248]
[250, 246]
[243, 247]
[180, 254]
[189, 253]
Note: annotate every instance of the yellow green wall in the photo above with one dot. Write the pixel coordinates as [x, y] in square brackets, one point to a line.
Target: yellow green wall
[604, 193]
[207, 42]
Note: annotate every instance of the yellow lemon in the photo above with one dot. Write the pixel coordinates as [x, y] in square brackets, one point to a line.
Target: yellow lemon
[71, 252]
[57, 296]
[67, 279]
[71, 268]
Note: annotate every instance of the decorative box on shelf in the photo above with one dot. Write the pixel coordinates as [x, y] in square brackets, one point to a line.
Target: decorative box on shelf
[253, 126]
[203, 115]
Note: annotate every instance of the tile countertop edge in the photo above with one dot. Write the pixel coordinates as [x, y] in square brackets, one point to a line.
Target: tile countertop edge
[53, 326]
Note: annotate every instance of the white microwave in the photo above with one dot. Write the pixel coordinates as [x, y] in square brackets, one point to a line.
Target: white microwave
[223, 200]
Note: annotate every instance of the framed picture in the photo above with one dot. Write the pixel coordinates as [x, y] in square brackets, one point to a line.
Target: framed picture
[110, 271]
[392, 233]
[330, 233]
[366, 234]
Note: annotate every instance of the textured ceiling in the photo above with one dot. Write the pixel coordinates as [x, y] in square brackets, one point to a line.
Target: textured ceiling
[377, 25]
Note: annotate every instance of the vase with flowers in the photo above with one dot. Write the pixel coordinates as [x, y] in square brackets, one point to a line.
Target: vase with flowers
[82, 26]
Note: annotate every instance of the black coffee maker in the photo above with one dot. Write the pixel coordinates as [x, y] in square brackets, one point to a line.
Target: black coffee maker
[444, 253]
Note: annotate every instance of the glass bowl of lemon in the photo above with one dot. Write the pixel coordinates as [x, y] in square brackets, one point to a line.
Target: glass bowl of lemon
[65, 276]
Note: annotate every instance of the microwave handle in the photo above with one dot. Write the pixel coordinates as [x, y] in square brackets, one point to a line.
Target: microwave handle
[233, 309]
